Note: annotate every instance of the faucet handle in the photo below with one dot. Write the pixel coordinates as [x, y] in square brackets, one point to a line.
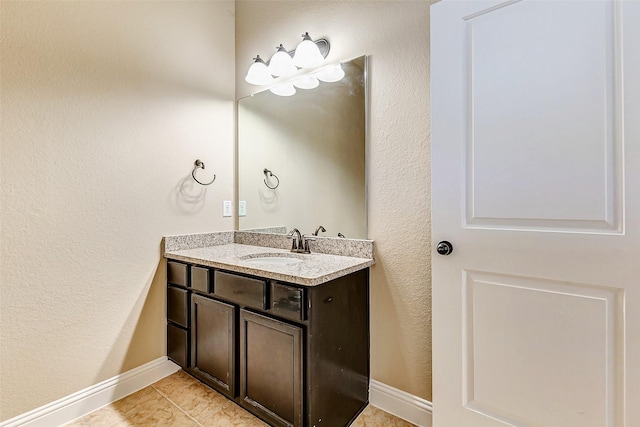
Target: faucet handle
[306, 240]
[294, 241]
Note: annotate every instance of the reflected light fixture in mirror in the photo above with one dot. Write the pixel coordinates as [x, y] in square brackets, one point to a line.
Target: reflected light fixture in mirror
[306, 82]
[331, 74]
[284, 89]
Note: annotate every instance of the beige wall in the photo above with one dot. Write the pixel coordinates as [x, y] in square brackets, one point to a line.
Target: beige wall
[104, 106]
[396, 36]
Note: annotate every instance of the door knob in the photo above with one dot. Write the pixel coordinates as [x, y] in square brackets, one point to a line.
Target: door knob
[444, 248]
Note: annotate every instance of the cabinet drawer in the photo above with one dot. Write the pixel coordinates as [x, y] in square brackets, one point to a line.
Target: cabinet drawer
[178, 306]
[177, 344]
[177, 274]
[200, 279]
[239, 289]
[287, 301]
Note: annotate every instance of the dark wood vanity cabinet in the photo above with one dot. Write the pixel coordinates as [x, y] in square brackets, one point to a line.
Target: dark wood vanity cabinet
[294, 356]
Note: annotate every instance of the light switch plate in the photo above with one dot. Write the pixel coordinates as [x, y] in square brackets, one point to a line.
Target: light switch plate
[242, 208]
[226, 208]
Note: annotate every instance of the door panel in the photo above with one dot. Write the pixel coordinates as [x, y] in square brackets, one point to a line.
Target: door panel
[535, 159]
[271, 381]
[526, 94]
[213, 342]
[514, 366]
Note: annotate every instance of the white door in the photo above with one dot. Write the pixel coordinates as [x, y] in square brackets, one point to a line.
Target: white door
[536, 183]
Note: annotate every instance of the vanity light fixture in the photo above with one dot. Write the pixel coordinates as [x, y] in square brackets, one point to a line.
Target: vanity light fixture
[308, 54]
[258, 73]
[281, 63]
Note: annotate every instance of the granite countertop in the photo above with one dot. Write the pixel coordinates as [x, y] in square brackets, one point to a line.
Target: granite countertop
[315, 268]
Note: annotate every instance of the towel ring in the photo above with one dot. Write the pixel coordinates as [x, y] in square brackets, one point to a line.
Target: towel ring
[268, 173]
[199, 164]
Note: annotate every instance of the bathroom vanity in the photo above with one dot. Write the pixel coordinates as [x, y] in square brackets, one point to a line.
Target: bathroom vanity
[284, 335]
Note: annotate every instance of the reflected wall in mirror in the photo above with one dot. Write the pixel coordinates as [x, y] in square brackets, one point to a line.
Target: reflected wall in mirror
[314, 143]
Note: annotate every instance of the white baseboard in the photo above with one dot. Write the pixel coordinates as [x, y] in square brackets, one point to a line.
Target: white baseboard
[401, 404]
[88, 400]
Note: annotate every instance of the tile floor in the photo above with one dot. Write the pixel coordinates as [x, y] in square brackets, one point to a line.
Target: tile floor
[180, 400]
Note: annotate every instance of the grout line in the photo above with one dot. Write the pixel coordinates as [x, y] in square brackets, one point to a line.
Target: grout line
[211, 412]
[228, 401]
[176, 405]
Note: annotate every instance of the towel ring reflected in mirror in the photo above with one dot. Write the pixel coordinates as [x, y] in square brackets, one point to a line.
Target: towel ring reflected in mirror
[269, 174]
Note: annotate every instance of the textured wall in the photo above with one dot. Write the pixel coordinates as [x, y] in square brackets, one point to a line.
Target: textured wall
[396, 36]
[104, 106]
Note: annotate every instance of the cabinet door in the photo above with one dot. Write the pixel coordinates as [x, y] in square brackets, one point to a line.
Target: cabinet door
[271, 381]
[213, 343]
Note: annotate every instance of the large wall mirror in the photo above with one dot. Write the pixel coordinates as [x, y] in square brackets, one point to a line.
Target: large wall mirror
[314, 144]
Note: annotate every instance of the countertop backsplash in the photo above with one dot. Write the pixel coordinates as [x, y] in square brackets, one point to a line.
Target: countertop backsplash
[200, 240]
[358, 248]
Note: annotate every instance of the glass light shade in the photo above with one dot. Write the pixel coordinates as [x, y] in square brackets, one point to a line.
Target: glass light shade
[307, 54]
[331, 74]
[258, 74]
[281, 63]
[306, 82]
[285, 89]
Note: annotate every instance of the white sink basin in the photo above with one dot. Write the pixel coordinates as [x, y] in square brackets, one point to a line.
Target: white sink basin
[270, 259]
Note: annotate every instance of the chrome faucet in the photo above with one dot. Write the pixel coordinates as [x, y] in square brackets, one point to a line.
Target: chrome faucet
[319, 229]
[297, 244]
[300, 243]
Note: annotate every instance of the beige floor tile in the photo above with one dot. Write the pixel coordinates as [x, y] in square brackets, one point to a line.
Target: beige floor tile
[158, 419]
[129, 405]
[374, 417]
[230, 415]
[176, 380]
[78, 423]
[180, 400]
[104, 417]
[189, 394]
[147, 407]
